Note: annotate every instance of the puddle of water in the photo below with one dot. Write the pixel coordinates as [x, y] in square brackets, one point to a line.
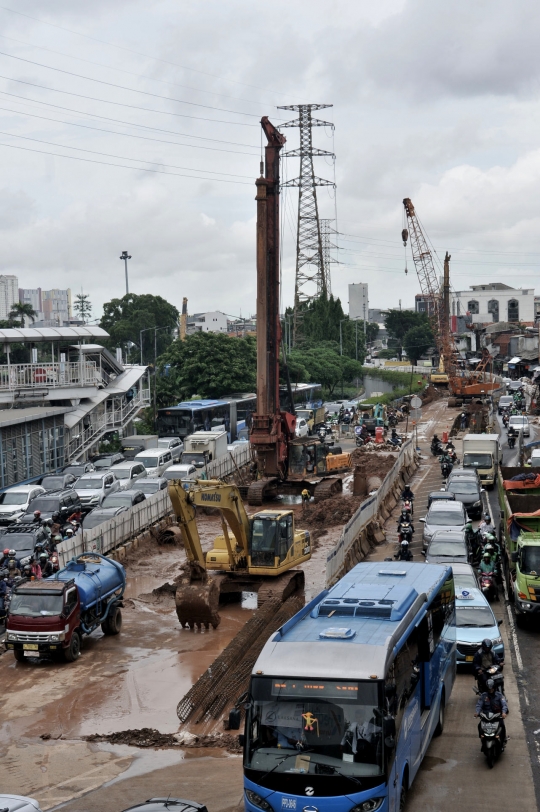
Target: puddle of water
[249, 600]
[144, 761]
[143, 584]
[290, 499]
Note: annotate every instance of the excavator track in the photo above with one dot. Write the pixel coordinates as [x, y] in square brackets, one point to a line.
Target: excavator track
[261, 491]
[328, 487]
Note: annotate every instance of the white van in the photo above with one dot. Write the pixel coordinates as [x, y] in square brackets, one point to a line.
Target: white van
[181, 471]
[155, 460]
[535, 458]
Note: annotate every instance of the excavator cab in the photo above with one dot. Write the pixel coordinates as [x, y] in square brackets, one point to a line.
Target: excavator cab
[307, 457]
[274, 543]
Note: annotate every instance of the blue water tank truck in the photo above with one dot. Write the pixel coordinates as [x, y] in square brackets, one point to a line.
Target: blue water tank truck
[48, 618]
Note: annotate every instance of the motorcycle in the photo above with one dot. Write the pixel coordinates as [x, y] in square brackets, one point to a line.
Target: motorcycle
[404, 553]
[407, 506]
[511, 441]
[359, 442]
[490, 728]
[405, 532]
[437, 449]
[494, 672]
[446, 469]
[488, 584]
[395, 441]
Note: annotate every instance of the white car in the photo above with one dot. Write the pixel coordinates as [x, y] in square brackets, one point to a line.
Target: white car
[14, 502]
[128, 472]
[16, 803]
[174, 444]
[93, 488]
[520, 422]
[183, 470]
[302, 428]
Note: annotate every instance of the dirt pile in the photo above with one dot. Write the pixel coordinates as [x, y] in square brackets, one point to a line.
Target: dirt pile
[372, 464]
[149, 737]
[331, 512]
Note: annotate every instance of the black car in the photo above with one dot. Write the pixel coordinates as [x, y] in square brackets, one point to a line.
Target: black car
[22, 539]
[100, 515]
[104, 461]
[65, 502]
[79, 468]
[469, 493]
[58, 482]
[162, 804]
[123, 499]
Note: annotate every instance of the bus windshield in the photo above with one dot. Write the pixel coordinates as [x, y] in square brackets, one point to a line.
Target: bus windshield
[323, 727]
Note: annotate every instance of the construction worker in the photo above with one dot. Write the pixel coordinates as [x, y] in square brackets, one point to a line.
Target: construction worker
[306, 496]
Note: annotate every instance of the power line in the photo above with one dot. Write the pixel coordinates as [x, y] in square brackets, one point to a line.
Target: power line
[125, 135]
[352, 237]
[128, 72]
[126, 123]
[137, 53]
[122, 166]
[123, 87]
[123, 104]
[119, 157]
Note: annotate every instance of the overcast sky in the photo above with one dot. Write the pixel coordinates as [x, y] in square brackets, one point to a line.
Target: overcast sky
[158, 105]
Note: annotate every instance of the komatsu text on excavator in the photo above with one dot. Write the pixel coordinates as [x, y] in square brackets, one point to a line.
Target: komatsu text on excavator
[255, 553]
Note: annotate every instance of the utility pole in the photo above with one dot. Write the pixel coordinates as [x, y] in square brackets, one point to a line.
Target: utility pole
[446, 291]
[125, 256]
[183, 320]
[310, 280]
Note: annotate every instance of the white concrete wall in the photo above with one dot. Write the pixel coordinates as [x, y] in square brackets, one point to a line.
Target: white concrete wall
[524, 297]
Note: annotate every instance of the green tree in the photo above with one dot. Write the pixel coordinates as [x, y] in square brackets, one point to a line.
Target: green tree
[398, 322]
[417, 341]
[21, 311]
[125, 318]
[207, 364]
[325, 365]
[83, 306]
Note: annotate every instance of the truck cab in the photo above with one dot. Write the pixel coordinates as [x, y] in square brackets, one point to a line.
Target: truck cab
[482, 452]
[526, 558]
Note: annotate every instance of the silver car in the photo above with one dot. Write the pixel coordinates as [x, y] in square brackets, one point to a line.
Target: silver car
[14, 502]
[93, 488]
[447, 546]
[174, 444]
[16, 803]
[443, 516]
[128, 473]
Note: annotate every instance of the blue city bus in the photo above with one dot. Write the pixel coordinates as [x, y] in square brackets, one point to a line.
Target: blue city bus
[345, 698]
[233, 412]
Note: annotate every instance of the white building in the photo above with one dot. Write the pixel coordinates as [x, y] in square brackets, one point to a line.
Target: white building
[212, 322]
[53, 307]
[358, 301]
[9, 294]
[493, 302]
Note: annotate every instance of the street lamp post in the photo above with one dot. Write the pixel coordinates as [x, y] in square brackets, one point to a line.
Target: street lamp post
[125, 256]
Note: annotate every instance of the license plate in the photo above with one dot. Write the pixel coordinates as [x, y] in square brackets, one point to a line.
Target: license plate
[31, 653]
[469, 658]
[30, 647]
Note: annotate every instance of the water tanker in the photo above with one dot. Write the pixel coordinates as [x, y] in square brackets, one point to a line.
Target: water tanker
[47, 618]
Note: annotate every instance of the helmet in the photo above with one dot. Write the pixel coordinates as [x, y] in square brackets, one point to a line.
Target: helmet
[487, 644]
[43, 556]
[48, 522]
[12, 554]
[37, 513]
[490, 684]
[487, 555]
[488, 549]
[11, 564]
[55, 516]
[69, 532]
[6, 551]
[487, 517]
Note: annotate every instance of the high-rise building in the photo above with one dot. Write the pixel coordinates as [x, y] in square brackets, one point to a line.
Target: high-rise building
[52, 306]
[9, 294]
[358, 301]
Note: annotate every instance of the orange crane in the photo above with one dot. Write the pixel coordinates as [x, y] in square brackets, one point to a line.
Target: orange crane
[461, 383]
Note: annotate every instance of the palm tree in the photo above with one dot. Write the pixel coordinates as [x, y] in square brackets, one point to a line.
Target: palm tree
[20, 311]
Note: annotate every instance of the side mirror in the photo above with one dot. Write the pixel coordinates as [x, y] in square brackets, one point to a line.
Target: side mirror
[234, 719]
[422, 520]
[500, 622]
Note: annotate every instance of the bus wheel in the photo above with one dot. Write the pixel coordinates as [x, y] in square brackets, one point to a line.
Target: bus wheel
[440, 723]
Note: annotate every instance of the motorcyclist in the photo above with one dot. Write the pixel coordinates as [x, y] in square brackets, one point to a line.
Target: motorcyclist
[492, 701]
[473, 539]
[46, 565]
[69, 531]
[3, 592]
[56, 527]
[5, 559]
[435, 442]
[46, 526]
[484, 659]
[486, 526]
[35, 569]
[395, 439]
[404, 518]
[37, 517]
[487, 564]
[13, 570]
[406, 494]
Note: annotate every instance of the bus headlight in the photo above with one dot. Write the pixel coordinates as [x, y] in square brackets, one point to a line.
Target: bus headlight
[257, 801]
[368, 806]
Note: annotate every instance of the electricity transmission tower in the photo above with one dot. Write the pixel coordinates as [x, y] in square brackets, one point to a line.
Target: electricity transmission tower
[327, 245]
[311, 280]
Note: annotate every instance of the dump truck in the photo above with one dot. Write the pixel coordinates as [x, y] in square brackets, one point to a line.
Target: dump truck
[48, 618]
[257, 553]
[314, 416]
[519, 535]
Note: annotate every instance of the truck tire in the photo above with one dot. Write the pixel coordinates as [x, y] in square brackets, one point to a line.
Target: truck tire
[113, 623]
[72, 652]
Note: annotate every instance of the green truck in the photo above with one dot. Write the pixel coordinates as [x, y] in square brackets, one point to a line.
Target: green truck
[519, 534]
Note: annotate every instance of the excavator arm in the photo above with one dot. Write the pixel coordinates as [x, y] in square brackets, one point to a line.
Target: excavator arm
[226, 498]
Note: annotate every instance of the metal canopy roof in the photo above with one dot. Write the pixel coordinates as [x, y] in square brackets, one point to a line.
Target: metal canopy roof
[32, 335]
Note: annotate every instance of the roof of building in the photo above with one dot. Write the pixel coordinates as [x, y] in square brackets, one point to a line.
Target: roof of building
[12, 335]
[10, 417]
[493, 286]
[119, 386]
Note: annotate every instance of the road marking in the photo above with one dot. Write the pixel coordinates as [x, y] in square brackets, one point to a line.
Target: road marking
[512, 628]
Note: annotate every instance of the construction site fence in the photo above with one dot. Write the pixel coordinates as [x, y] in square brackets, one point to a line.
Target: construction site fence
[132, 522]
[366, 513]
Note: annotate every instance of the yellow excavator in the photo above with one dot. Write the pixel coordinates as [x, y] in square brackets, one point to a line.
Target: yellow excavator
[254, 553]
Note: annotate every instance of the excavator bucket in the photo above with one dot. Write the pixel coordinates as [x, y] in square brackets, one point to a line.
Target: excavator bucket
[197, 604]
